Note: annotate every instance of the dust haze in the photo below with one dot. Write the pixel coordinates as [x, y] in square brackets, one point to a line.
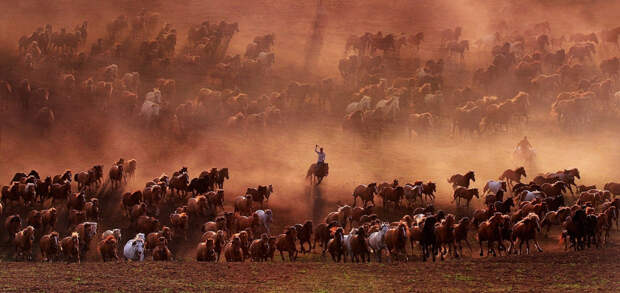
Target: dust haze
[281, 155]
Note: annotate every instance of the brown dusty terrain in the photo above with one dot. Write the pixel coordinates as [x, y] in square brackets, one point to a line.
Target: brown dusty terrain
[586, 271]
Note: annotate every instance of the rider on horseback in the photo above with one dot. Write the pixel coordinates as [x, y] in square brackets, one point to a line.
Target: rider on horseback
[524, 151]
[524, 145]
[321, 160]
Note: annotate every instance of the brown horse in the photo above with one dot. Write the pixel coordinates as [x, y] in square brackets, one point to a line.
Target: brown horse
[304, 234]
[286, 242]
[464, 193]
[513, 175]
[365, 192]
[583, 188]
[429, 189]
[462, 180]
[554, 189]
[613, 187]
[489, 231]
[116, 175]
[460, 233]
[396, 240]
[342, 216]
[179, 184]
[604, 223]
[335, 246]
[220, 176]
[444, 235]
[358, 212]
[359, 247]
[317, 174]
[393, 194]
[525, 230]
[482, 215]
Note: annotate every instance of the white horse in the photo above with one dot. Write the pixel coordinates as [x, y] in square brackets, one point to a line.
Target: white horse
[376, 241]
[115, 232]
[362, 105]
[151, 106]
[347, 243]
[530, 195]
[389, 108]
[493, 187]
[265, 218]
[134, 248]
[418, 218]
[412, 192]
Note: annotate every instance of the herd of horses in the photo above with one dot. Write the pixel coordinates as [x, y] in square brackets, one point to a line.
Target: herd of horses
[131, 69]
[170, 209]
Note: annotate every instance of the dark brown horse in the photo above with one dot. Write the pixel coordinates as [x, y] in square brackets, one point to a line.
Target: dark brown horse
[220, 176]
[429, 189]
[462, 180]
[317, 174]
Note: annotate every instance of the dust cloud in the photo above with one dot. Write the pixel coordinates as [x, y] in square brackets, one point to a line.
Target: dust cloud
[281, 155]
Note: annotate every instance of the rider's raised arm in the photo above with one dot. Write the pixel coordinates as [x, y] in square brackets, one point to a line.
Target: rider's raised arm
[315, 149]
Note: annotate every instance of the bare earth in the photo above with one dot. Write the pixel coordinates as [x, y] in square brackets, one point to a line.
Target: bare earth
[589, 270]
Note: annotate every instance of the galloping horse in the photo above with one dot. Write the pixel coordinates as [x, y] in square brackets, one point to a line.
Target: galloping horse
[462, 180]
[316, 173]
[513, 175]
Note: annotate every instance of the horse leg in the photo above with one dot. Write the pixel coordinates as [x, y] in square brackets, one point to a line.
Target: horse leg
[537, 245]
[481, 253]
[441, 251]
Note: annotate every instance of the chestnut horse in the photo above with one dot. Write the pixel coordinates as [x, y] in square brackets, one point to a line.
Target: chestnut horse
[489, 231]
[460, 233]
[525, 230]
[464, 193]
[513, 175]
[365, 192]
[444, 235]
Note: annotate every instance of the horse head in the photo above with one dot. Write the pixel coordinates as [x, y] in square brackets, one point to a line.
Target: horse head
[471, 176]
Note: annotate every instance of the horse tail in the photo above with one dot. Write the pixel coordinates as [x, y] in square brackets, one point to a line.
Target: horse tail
[486, 188]
[75, 177]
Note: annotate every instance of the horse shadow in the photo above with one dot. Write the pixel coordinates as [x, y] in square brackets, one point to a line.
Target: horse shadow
[316, 201]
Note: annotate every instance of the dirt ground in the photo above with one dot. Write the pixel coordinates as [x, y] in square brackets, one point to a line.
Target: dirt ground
[586, 271]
